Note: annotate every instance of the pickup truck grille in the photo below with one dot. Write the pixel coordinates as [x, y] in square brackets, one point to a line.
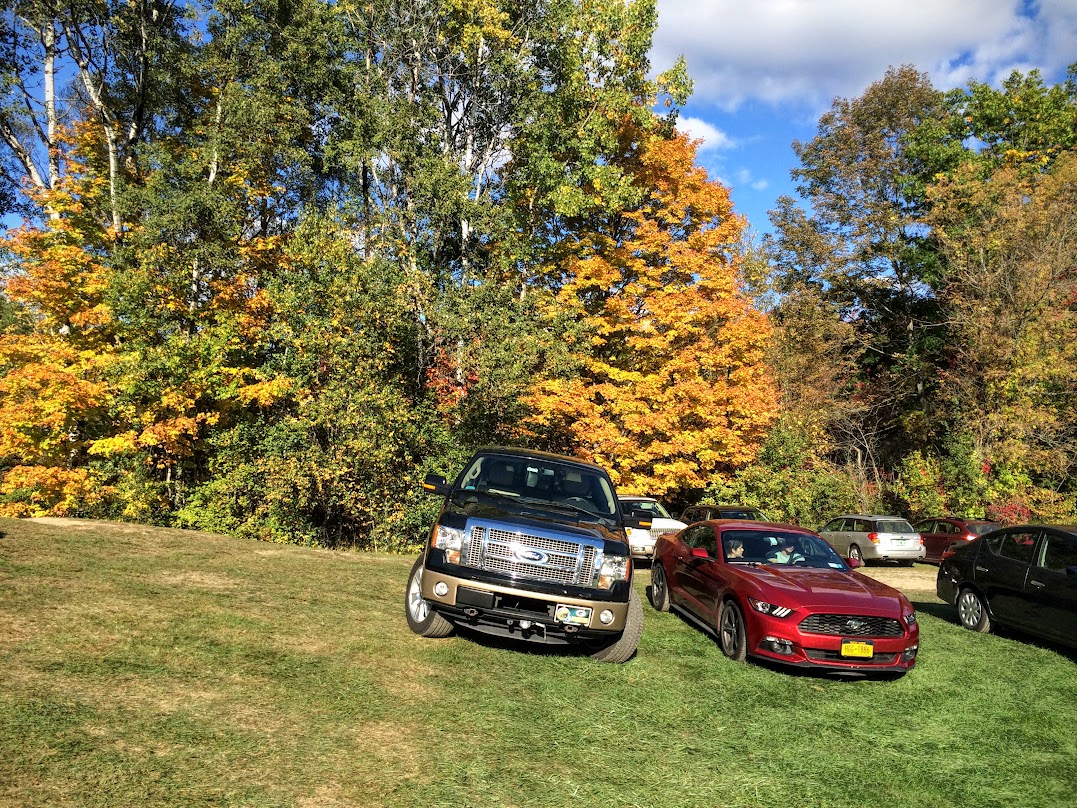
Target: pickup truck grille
[662, 531]
[556, 560]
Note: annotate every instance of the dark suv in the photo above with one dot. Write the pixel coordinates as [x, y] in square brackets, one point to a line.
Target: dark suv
[529, 545]
[704, 513]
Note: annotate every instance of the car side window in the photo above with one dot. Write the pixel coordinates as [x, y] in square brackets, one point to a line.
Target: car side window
[835, 525]
[1018, 545]
[995, 541]
[702, 536]
[1060, 552]
[861, 526]
[931, 527]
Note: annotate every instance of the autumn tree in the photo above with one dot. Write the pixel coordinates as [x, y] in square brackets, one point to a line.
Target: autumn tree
[672, 387]
[1011, 246]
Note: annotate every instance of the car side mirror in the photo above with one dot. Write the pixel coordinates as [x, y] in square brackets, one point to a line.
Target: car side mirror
[698, 552]
[435, 484]
[854, 563]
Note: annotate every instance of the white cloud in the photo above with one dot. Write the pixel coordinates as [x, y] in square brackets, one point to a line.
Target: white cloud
[810, 51]
[713, 138]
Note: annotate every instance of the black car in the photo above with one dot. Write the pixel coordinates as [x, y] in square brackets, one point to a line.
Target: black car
[1023, 577]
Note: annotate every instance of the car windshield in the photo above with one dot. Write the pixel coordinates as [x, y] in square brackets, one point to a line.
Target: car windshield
[895, 526]
[540, 481]
[651, 508]
[779, 547]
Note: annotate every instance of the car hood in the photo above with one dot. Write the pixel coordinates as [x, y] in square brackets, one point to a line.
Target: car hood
[814, 587]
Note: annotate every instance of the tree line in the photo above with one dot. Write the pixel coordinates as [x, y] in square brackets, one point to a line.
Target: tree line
[278, 260]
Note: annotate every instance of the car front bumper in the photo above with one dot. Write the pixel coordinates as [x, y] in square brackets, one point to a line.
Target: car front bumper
[786, 644]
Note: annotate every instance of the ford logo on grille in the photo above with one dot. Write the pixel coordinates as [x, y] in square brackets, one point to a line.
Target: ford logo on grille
[530, 555]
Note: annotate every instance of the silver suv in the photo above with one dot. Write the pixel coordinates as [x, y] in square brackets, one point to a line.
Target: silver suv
[869, 537]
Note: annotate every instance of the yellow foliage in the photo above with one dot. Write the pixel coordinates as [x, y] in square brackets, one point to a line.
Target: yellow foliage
[47, 491]
[266, 393]
[676, 386]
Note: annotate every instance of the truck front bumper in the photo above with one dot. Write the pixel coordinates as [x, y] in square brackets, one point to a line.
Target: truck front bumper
[524, 614]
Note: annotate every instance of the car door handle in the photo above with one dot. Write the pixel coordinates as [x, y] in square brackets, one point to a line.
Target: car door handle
[981, 569]
[1037, 584]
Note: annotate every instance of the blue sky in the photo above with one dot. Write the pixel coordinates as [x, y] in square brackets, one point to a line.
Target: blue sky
[765, 70]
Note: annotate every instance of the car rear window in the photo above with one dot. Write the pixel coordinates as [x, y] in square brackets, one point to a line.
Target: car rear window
[894, 526]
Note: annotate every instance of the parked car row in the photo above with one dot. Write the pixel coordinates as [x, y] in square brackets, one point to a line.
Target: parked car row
[539, 547]
[1022, 577]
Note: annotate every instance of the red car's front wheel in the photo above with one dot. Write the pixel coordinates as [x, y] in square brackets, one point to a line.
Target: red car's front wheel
[659, 587]
[731, 634]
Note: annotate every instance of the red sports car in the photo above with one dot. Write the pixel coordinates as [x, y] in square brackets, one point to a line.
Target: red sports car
[782, 593]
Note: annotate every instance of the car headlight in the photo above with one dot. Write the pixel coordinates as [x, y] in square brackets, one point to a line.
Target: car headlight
[449, 539]
[770, 608]
[910, 619]
[614, 568]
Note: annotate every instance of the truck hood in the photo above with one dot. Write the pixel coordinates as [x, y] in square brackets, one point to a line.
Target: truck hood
[530, 515]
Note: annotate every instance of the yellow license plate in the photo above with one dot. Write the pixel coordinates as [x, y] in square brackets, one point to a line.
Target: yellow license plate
[855, 648]
[574, 615]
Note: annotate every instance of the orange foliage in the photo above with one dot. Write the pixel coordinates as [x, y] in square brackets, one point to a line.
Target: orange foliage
[675, 386]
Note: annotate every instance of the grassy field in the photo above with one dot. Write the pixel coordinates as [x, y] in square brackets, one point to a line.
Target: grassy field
[143, 666]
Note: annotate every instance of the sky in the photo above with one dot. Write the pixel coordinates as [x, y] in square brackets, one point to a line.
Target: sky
[765, 70]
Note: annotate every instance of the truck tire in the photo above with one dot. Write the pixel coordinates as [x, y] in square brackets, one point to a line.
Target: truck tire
[423, 620]
[623, 648]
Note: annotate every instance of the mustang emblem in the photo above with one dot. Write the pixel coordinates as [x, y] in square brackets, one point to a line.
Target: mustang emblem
[854, 625]
[530, 555]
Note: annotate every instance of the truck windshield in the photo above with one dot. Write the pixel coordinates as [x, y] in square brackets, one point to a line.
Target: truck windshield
[541, 480]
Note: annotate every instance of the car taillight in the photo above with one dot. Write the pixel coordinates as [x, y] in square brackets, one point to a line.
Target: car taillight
[968, 537]
[873, 537]
[921, 541]
[948, 552]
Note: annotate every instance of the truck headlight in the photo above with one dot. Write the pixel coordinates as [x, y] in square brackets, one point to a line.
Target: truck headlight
[613, 569]
[449, 539]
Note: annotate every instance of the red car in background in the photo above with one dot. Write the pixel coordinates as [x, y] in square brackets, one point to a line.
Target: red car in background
[940, 532]
[780, 592]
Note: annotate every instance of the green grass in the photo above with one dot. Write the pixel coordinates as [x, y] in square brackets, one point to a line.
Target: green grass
[142, 666]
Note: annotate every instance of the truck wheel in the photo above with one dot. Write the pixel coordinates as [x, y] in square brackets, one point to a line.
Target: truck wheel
[423, 620]
[624, 647]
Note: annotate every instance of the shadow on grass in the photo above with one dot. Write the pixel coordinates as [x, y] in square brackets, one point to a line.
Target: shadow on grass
[520, 645]
[948, 613]
[935, 608]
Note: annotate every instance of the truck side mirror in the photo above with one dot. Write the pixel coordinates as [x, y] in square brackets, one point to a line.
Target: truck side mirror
[435, 484]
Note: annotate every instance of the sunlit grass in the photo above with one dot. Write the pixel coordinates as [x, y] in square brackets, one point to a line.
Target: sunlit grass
[156, 667]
